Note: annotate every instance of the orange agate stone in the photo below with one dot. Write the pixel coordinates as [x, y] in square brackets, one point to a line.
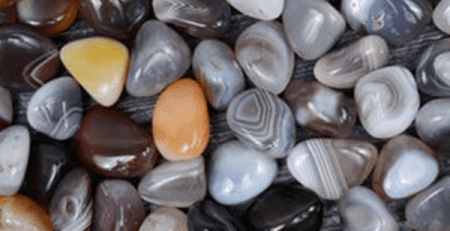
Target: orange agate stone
[181, 121]
[62, 23]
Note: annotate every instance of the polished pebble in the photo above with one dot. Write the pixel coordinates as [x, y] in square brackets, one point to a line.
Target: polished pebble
[8, 15]
[99, 64]
[265, 55]
[182, 104]
[217, 70]
[344, 67]
[175, 183]
[440, 16]
[330, 166]
[165, 219]
[71, 208]
[312, 27]
[6, 108]
[320, 108]
[387, 100]
[159, 57]
[208, 215]
[432, 123]
[56, 108]
[262, 120]
[259, 9]
[238, 173]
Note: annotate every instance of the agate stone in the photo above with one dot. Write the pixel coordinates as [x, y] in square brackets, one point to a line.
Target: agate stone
[165, 219]
[6, 108]
[440, 16]
[208, 215]
[432, 123]
[6, 3]
[8, 15]
[259, 9]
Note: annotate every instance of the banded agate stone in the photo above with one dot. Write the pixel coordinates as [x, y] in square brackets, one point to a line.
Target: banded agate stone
[6, 108]
[440, 16]
[165, 219]
[432, 123]
[208, 215]
[259, 9]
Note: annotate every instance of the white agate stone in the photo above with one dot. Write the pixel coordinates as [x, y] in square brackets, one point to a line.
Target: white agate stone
[6, 108]
[441, 16]
[259, 9]
[165, 219]
[433, 122]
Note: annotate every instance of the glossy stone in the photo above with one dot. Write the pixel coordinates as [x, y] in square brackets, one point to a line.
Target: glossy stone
[99, 64]
[238, 173]
[182, 104]
[320, 108]
[6, 108]
[285, 208]
[362, 209]
[109, 143]
[312, 27]
[175, 183]
[259, 9]
[387, 100]
[432, 123]
[35, 59]
[440, 16]
[265, 56]
[71, 208]
[14, 154]
[208, 215]
[217, 70]
[165, 219]
[344, 67]
[56, 108]
[19, 212]
[397, 21]
[8, 15]
[159, 57]
[263, 121]
[117, 207]
[203, 18]
[331, 166]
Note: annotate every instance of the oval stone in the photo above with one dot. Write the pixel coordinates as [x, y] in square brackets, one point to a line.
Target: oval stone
[165, 219]
[440, 16]
[208, 215]
[259, 9]
[432, 123]
[6, 108]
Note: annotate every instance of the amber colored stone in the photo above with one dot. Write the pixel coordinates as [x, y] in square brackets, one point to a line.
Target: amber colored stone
[8, 15]
[181, 121]
[109, 143]
[100, 65]
[19, 212]
[6, 3]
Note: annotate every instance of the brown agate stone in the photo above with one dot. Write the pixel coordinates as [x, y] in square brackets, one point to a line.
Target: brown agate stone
[109, 143]
[8, 15]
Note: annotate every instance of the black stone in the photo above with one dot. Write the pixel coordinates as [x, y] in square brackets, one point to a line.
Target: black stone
[208, 215]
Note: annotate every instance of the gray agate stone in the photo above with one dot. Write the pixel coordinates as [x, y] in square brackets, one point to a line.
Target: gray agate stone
[263, 121]
[441, 17]
[159, 57]
[312, 27]
[397, 21]
[433, 123]
[265, 56]
[218, 72]
[56, 108]
[6, 107]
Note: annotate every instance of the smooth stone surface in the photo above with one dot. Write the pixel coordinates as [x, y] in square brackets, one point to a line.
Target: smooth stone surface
[263, 121]
[117, 207]
[165, 219]
[14, 154]
[330, 166]
[344, 67]
[217, 70]
[433, 123]
[430, 209]
[35, 59]
[6, 3]
[397, 21]
[312, 27]
[111, 144]
[361, 209]
[8, 15]
[320, 108]
[6, 107]
[175, 183]
[202, 18]
[182, 104]
[208, 215]
[56, 108]
[159, 57]
[259, 9]
[99, 64]
[238, 173]
[387, 100]
[440, 16]
[117, 19]
[286, 207]
[265, 56]
[71, 208]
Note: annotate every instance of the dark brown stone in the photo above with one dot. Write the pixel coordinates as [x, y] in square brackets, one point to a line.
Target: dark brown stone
[8, 15]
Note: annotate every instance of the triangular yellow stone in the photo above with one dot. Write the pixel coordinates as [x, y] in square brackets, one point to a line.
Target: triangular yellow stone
[100, 65]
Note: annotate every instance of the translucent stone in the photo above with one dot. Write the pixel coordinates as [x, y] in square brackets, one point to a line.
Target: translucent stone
[99, 64]
[159, 57]
[263, 121]
[56, 108]
[362, 209]
[430, 209]
[71, 208]
[330, 166]
[265, 56]
[284, 208]
[387, 100]
[203, 18]
[312, 27]
[8, 15]
[217, 70]
[433, 123]
[175, 183]
[208, 215]
[344, 67]
[259, 9]
[440, 16]
[182, 104]
[397, 21]
[165, 219]
[320, 108]
[238, 173]
[6, 108]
